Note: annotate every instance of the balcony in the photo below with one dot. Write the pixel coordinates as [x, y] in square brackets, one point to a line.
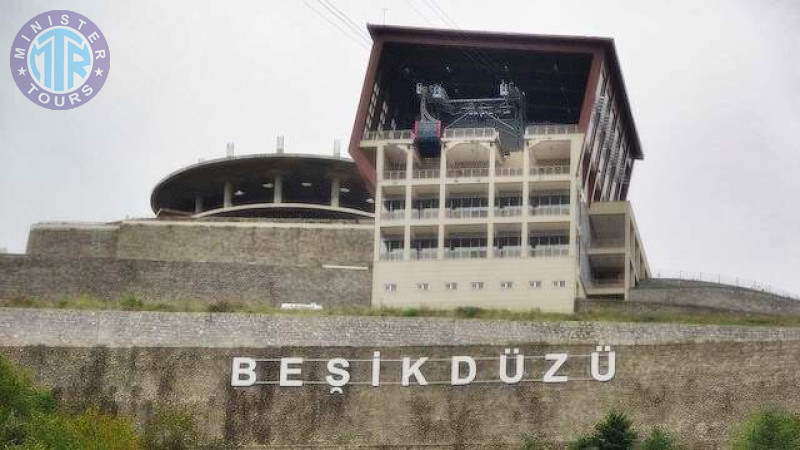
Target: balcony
[508, 252]
[394, 174]
[549, 251]
[397, 214]
[608, 282]
[387, 135]
[549, 210]
[470, 133]
[425, 214]
[424, 253]
[392, 255]
[549, 171]
[465, 253]
[508, 171]
[426, 174]
[550, 129]
[473, 212]
[468, 172]
[508, 211]
[607, 243]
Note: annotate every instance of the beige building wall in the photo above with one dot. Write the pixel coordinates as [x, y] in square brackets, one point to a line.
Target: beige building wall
[521, 278]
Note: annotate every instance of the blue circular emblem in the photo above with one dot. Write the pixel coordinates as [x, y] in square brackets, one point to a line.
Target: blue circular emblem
[60, 59]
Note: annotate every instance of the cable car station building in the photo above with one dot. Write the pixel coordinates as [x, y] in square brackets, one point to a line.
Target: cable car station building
[500, 165]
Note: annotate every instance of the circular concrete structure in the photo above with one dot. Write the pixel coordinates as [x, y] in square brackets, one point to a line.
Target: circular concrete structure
[265, 185]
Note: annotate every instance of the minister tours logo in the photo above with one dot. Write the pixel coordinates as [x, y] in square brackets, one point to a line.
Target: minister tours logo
[60, 60]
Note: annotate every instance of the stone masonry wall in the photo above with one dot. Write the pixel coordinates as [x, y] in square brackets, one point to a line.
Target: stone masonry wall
[695, 381]
[275, 243]
[168, 281]
[73, 240]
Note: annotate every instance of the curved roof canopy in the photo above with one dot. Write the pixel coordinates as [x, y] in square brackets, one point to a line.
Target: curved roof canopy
[265, 185]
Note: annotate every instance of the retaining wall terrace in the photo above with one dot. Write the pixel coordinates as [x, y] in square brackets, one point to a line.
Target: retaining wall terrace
[695, 381]
[670, 293]
[271, 242]
[54, 278]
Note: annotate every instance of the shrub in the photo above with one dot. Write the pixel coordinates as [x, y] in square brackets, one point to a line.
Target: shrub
[531, 442]
[130, 302]
[469, 312]
[171, 428]
[613, 433]
[769, 430]
[409, 312]
[30, 420]
[221, 306]
[660, 440]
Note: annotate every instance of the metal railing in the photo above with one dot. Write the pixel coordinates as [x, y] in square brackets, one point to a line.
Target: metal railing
[397, 214]
[546, 251]
[679, 275]
[387, 135]
[548, 129]
[508, 211]
[425, 213]
[424, 253]
[470, 133]
[465, 253]
[393, 255]
[549, 210]
[468, 172]
[545, 171]
[473, 212]
[508, 171]
[394, 174]
[426, 173]
[508, 252]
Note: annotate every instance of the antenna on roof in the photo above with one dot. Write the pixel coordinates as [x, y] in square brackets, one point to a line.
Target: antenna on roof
[229, 149]
[337, 148]
[279, 144]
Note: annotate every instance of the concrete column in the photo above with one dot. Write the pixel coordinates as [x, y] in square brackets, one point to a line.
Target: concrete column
[198, 204]
[227, 195]
[407, 214]
[526, 193]
[378, 198]
[335, 186]
[490, 213]
[442, 198]
[277, 192]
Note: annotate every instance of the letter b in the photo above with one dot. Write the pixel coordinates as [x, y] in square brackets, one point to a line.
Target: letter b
[243, 367]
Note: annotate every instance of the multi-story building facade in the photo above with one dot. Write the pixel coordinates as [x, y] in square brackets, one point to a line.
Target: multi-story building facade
[516, 199]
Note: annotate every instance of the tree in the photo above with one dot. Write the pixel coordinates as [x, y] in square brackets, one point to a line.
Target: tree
[769, 430]
[613, 433]
[31, 420]
[659, 440]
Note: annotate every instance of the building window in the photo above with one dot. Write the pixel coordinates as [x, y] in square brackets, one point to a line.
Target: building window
[506, 284]
[423, 286]
[477, 285]
[451, 286]
[559, 284]
[535, 284]
[390, 287]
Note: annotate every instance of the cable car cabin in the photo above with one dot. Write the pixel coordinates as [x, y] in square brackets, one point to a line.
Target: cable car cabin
[428, 138]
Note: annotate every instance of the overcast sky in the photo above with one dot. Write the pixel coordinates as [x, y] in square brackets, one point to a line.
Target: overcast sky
[714, 87]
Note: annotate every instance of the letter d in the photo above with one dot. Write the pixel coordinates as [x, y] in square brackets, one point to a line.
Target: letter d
[455, 370]
[246, 367]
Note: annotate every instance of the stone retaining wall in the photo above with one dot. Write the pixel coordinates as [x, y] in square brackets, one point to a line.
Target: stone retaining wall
[695, 381]
[174, 281]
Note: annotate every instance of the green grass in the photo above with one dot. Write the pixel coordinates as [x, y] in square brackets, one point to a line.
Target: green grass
[132, 303]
